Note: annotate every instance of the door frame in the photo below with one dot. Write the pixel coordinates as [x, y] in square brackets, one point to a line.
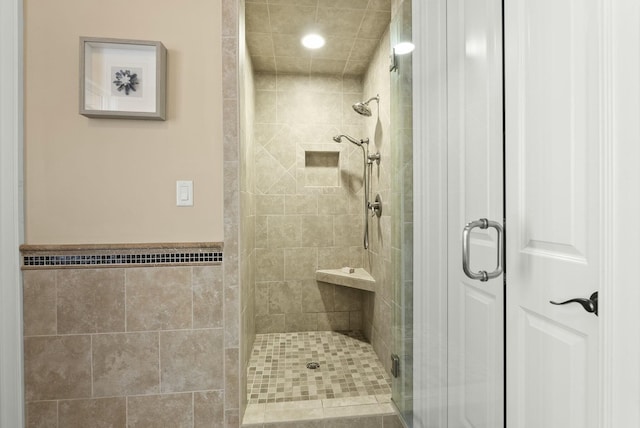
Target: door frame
[429, 21]
[11, 213]
[619, 345]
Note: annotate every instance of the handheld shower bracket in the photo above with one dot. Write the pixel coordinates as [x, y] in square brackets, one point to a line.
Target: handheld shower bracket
[368, 159]
[338, 139]
[373, 157]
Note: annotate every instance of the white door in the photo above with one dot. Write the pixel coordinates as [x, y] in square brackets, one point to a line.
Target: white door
[571, 116]
[475, 188]
[553, 108]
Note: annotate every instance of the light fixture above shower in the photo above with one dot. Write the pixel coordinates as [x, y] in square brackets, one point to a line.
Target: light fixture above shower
[402, 48]
[363, 107]
[313, 41]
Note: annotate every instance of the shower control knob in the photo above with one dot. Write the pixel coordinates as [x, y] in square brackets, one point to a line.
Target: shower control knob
[375, 207]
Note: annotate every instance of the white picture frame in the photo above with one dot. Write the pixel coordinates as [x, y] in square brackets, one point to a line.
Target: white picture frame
[122, 78]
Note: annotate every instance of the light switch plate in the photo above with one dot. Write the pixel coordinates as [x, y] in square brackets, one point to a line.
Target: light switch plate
[184, 193]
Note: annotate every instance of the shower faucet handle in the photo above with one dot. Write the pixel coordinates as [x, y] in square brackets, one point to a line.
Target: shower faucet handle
[375, 207]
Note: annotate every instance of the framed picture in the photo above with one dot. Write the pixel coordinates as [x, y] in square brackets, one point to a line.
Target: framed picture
[122, 79]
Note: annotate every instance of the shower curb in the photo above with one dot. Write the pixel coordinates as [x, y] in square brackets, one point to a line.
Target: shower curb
[321, 412]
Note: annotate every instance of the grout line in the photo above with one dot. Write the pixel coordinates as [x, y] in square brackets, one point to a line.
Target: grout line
[127, 332]
[125, 300]
[55, 281]
[91, 362]
[275, 65]
[159, 367]
[129, 395]
[192, 299]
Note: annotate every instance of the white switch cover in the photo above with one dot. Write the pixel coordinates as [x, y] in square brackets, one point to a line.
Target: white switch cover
[184, 193]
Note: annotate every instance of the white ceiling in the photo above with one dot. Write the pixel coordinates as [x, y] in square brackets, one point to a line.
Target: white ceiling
[352, 29]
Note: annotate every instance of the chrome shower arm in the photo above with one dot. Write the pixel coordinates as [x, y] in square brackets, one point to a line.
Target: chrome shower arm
[338, 139]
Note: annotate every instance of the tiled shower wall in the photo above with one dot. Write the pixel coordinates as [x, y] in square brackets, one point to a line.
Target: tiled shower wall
[125, 347]
[308, 195]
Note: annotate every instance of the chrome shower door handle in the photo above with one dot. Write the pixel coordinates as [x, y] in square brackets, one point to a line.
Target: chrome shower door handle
[483, 275]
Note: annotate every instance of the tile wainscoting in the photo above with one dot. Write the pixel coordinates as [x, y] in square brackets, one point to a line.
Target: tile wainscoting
[126, 345]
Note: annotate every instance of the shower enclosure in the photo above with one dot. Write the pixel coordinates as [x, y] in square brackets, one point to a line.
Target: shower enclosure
[316, 214]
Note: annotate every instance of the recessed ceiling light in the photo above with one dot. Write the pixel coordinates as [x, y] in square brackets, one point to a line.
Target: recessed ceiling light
[404, 48]
[313, 41]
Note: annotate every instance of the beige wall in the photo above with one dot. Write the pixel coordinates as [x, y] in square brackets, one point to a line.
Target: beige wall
[106, 180]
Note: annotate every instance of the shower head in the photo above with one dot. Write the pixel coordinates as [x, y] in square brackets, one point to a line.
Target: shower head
[363, 107]
[338, 139]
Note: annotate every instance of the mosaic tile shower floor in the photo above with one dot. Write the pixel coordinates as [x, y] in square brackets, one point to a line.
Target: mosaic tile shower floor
[278, 370]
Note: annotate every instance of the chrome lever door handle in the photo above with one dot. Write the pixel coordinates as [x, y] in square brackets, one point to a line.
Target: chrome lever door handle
[483, 275]
[589, 305]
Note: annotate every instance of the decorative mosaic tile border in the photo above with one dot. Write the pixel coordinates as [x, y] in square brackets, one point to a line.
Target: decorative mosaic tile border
[125, 255]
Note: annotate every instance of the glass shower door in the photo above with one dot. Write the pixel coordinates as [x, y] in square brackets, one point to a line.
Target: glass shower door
[402, 208]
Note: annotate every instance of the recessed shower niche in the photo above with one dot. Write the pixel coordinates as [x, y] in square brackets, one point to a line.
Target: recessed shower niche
[321, 168]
